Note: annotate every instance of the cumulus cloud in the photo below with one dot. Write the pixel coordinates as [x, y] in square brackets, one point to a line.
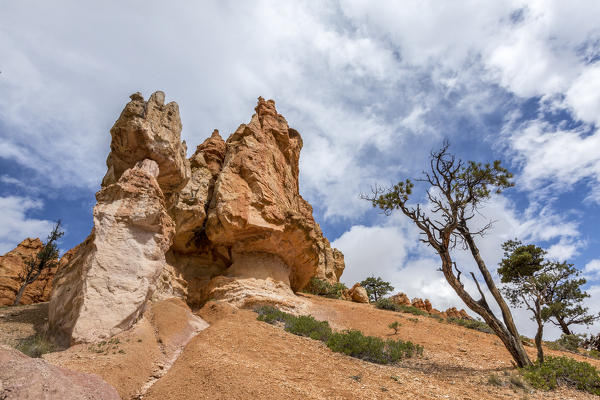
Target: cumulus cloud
[14, 222]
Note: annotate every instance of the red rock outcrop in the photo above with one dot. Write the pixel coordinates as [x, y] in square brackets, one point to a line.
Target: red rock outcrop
[12, 264]
[24, 378]
[428, 306]
[229, 223]
[452, 312]
[418, 303]
[401, 299]
[256, 205]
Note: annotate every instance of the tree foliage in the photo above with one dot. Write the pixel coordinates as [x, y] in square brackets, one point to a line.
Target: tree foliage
[46, 258]
[455, 191]
[551, 290]
[376, 287]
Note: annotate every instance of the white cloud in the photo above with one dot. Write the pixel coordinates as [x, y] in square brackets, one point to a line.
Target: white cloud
[555, 158]
[592, 269]
[15, 225]
[350, 77]
[584, 95]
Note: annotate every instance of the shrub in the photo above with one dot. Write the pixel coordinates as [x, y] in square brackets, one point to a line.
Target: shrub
[594, 354]
[395, 325]
[557, 371]
[471, 324]
[412, 310]
[35, 346]
[323, 288]
[352, 342]
[385, 303]
[271, 315]
[566, 343]
[369, 348]
[309, 327]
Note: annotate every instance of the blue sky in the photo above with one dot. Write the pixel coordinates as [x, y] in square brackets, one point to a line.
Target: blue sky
[372, 87]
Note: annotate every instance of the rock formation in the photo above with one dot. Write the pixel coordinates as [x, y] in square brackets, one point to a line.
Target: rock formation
[400, 299]
[12, 264]
[358, 294]
[229, 223]
[105, 287]
[418, 303]
[452, 312]
[24, 378]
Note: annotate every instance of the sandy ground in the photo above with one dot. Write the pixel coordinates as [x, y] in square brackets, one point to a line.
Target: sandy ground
[238, 357]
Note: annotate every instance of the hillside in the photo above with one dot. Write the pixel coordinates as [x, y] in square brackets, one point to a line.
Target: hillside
[238, 357]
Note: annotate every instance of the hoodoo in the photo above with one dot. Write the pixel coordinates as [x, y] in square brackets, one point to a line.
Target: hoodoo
[229, 223]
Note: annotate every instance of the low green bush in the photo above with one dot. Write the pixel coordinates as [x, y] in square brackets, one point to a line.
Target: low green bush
[556, 371]
[369, 348]
[35, 346]
[271, 314]
[323, 288]
[412, 310]
[387, 304]
[471, 324]
[566, 343]
[308, 326]
[351, 342]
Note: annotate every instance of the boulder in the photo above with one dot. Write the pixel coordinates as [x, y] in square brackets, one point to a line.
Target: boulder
[358, 294]
[400, 299]
[26, 378]
[105, 287]
[149, 130]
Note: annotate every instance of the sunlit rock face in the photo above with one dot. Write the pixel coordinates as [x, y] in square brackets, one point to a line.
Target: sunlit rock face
[105, 287]
[228, 223]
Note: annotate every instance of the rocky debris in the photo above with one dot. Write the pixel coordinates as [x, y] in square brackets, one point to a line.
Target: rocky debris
[105, 287]
[400, 299]
[149, 130]
[25, 378]
[358, 294]
[228, 223]
[452, 312]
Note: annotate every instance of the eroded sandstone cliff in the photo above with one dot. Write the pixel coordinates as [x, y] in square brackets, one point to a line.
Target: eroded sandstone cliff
[229, 223]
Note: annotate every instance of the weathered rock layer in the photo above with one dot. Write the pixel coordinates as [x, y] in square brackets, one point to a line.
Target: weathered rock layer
[229, 223]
